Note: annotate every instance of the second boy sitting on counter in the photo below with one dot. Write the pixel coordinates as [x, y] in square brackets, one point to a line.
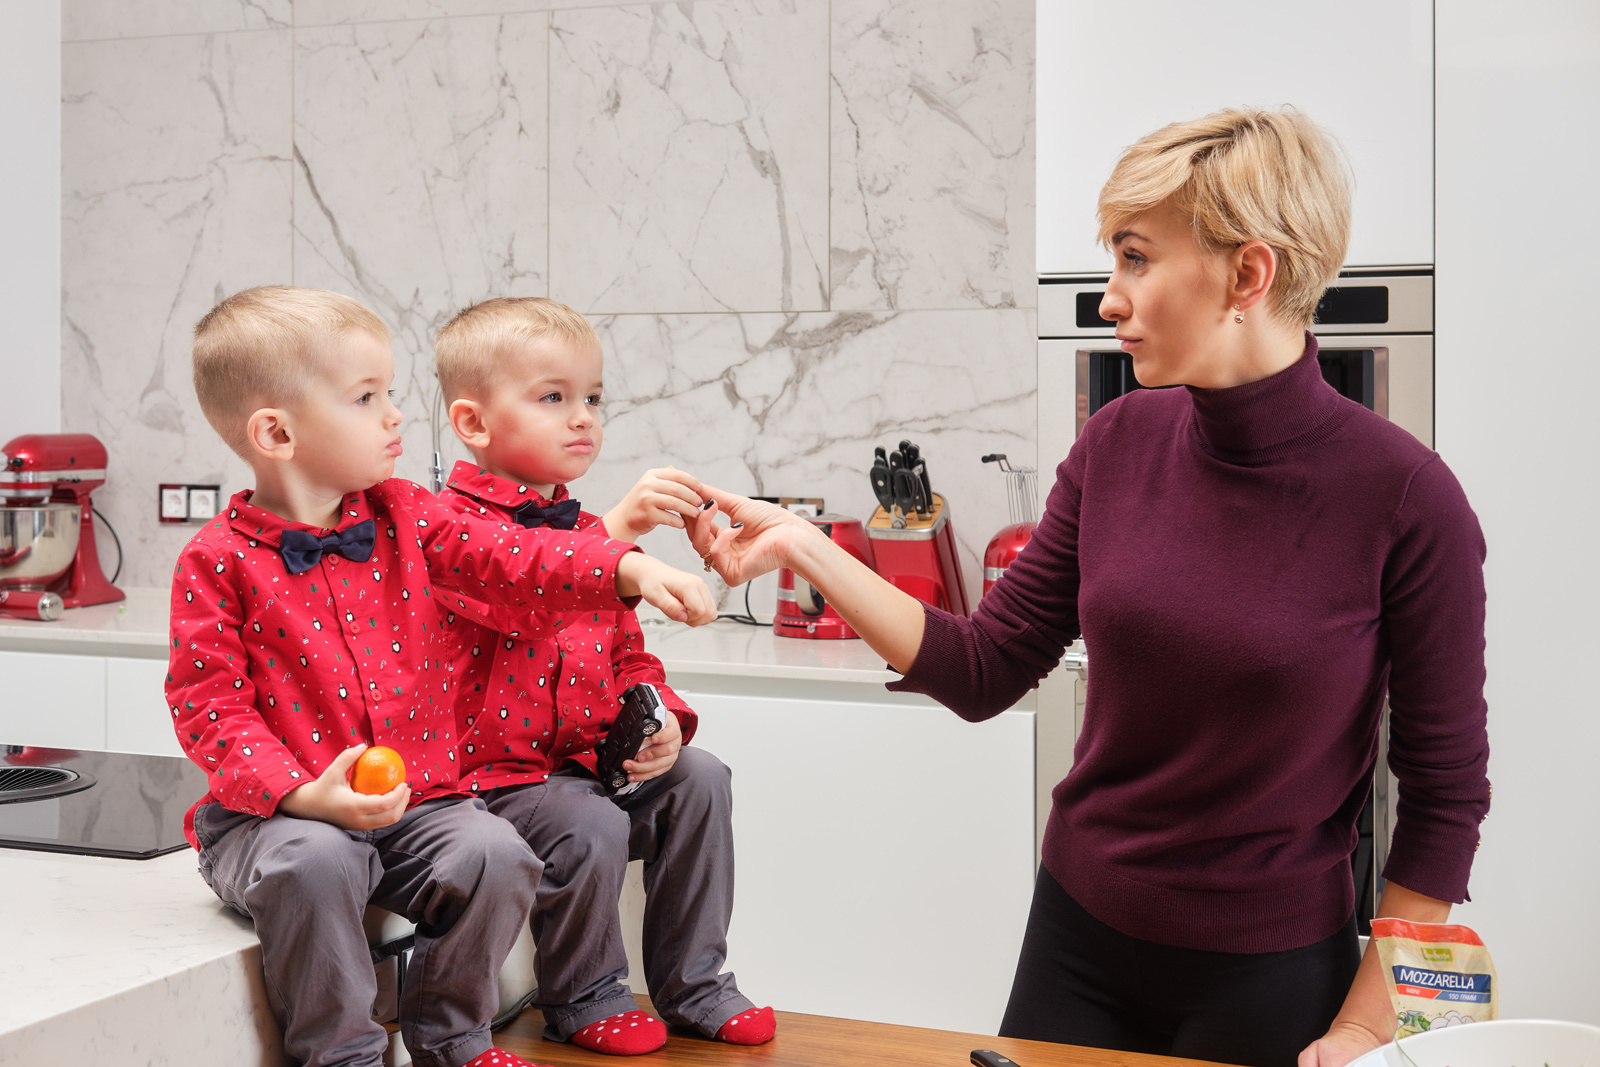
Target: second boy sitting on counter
[522, 378]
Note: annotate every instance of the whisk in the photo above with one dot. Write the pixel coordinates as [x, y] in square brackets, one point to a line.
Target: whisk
[1022, 487]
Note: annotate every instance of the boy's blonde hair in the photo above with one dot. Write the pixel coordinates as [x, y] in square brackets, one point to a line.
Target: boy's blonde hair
[1244, 175]
[259, 347]
[470, 345]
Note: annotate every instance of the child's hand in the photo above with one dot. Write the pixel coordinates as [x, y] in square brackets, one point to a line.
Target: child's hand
[330, 798]
[663, 497]
[680, 595]
[657, 754]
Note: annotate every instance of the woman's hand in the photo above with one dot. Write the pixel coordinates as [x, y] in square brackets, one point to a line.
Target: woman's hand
[663, 497]
[330, 799]
[1367, 1013]
[1343, 1042]
[763, 538]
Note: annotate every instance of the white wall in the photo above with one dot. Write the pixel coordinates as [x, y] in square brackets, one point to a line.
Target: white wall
[30, 218]
[1111, 72]
[1518, 223]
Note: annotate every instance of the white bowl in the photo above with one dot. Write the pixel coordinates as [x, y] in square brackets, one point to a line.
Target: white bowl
[1502, 1043]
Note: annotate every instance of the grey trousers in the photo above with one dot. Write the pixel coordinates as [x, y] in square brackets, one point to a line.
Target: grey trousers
[680, 824]
[463, 876]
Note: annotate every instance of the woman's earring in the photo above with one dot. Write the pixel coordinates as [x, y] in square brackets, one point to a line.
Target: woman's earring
[1237, 317]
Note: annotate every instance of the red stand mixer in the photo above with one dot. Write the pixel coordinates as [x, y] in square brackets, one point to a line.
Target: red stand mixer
[48, 557]
[802, 611]
[1022, 492]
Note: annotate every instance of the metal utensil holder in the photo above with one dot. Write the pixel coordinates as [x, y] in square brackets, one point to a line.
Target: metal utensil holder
[1022, 487]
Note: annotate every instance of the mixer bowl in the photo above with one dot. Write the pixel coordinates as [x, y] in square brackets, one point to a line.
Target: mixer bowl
[37, 544]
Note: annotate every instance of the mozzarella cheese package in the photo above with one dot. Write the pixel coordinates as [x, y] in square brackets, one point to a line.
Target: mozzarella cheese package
[1438, 975]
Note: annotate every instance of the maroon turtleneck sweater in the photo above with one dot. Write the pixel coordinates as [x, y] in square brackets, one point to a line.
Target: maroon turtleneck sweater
[1251, 570]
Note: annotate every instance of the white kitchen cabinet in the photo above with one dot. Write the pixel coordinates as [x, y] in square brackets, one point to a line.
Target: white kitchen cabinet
[55, 701]
[1110, 73]
[885, 855]
[137, 716]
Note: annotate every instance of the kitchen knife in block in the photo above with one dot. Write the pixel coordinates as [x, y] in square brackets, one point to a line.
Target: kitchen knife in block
[882, 485]
[916, 463]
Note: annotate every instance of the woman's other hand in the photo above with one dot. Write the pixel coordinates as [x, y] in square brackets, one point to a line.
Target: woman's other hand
[1343, 1042]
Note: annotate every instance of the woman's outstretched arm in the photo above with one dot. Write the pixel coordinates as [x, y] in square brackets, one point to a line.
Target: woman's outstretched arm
[977, 667]
[769, 537]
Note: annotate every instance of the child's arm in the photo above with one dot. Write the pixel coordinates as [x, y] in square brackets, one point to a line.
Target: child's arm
[539, 569]
[212, 698]
[663, 497]
[329, 798]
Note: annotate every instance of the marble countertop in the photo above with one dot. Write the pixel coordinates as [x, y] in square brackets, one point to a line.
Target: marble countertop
[137, 627]
[86, 929]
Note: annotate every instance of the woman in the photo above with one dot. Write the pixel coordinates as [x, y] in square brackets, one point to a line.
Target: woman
[1253, 561]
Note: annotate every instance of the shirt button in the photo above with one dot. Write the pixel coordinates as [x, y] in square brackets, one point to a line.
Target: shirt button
[355, 629]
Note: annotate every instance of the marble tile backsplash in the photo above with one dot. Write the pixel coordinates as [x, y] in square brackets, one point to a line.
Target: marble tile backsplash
[802, 228]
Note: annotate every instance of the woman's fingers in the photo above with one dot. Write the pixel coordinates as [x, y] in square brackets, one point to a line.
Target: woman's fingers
[703, 529]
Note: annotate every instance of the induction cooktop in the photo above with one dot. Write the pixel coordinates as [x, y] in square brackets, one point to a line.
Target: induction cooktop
[95, 803]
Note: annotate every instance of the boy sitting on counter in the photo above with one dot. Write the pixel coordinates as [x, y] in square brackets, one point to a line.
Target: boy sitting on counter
[304, 628]
[523, 381]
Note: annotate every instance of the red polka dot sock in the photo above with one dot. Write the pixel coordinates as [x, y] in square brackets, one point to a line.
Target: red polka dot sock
[753, 1027]
[499, 1058]
[633, 1033]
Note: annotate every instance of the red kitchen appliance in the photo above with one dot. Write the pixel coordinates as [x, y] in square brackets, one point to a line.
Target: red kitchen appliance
[911, 535]
[48, 558]
[919, 556]
[802, 610]
[1022, 489]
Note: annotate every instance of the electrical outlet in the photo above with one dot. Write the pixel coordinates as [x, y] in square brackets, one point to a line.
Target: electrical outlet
[180, 503]
[174, 503]
[202, 502]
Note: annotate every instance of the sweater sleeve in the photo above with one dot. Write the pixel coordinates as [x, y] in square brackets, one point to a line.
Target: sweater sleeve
[979, 667]
[1433, 600]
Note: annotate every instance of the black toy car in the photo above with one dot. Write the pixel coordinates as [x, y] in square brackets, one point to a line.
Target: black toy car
[639, 717]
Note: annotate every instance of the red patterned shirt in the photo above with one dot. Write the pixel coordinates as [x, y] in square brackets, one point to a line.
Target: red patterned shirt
[542, 687]
[274, 674]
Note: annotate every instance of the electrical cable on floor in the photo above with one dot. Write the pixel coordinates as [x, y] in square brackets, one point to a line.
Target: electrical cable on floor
[114, 537]
[747, 618]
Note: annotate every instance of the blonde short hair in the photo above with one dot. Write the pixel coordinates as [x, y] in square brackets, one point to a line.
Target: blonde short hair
[259, 347]
[470, 345]
[1245, 175]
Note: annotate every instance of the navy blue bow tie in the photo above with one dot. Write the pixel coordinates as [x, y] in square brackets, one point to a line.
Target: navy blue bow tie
[301, 551]
[563, 515]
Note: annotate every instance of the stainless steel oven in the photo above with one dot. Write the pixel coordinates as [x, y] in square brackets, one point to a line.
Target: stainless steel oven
[1374, 329]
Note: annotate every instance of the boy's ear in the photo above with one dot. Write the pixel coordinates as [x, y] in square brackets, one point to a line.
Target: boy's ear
[267, 432]
[466, 419]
